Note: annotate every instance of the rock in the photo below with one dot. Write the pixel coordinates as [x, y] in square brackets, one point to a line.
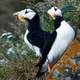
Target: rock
[78, 34]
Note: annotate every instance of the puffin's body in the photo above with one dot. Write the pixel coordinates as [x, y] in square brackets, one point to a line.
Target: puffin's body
[34, 35]
[65, 35]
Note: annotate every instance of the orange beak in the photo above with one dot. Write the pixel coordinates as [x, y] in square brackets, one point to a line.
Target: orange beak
[18, 17]
[51, 16]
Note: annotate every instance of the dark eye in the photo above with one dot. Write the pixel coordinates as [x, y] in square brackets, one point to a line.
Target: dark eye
[55, 8]
[26, 12]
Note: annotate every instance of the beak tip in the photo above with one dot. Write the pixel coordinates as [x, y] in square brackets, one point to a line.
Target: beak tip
[15, 14]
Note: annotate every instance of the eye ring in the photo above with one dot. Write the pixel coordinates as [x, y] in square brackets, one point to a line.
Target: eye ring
[26, 12]
[55, 8]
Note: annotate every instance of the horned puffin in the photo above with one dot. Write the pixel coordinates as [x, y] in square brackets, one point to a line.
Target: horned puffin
[35, 37]
[64, 35]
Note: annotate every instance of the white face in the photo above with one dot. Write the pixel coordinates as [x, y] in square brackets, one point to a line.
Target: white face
[25, 14]
[54, 11]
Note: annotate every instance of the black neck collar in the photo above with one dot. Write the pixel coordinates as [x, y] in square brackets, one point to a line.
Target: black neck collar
[58, 21]
[34, 24]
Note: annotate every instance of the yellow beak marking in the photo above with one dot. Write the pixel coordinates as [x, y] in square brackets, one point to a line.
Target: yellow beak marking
[51, 16]
[18, 17]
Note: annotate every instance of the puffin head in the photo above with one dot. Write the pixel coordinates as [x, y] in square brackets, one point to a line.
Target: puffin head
[23, 15]
[54, 12]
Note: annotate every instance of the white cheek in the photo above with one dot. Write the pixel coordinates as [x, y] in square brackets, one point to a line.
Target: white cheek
[58, 12]
[21, 13]
[51, 11]
[30, 15]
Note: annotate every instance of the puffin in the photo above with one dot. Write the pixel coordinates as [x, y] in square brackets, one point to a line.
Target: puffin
[64, 35]
[34, 37]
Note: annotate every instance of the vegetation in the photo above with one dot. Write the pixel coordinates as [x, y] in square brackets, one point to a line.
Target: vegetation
[16, 59]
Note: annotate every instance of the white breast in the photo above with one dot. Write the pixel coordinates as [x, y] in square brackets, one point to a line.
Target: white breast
[32, 47]
[26, 40]
[65, 35]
